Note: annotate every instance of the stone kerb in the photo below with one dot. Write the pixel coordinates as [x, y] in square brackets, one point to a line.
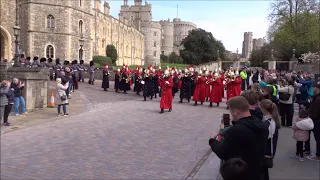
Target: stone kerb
[36, 85]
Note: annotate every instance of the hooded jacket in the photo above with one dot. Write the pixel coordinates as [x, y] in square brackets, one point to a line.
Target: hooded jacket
[246, 139]
[301, 129]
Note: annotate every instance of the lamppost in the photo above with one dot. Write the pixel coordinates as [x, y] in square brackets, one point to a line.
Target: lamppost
[81, 42]
[16, 32]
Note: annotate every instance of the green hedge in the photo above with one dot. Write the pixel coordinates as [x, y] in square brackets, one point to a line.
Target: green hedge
[102, 60]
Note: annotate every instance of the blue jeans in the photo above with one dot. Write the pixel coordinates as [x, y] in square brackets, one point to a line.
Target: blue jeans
[17, 101]
[64, 108]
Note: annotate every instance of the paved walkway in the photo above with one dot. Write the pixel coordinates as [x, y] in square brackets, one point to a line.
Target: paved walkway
[119, 137]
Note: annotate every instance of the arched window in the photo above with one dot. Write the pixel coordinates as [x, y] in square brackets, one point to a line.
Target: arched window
[80, 26]
[50, 21]
[80, 3]
[49, 51]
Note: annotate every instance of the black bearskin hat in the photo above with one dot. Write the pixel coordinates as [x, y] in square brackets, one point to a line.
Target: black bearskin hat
[81, 61]
[91, 63]
[35, 58]
[67, 62]
[49, 60]
[57, 61]
[28, 58]
[43, 60]
[75, 61]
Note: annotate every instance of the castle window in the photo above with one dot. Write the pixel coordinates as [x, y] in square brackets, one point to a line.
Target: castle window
[49, 51]
[155, 53]
[155, 44]
[80, 3]
[80, 27]
[50, 21]
[162, 52]
[155, 33]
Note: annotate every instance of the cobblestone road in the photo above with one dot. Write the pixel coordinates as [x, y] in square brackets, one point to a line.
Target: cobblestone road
[119, 137]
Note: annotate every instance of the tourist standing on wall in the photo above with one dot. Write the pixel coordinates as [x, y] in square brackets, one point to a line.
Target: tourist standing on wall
[105, 78]
[18, 98]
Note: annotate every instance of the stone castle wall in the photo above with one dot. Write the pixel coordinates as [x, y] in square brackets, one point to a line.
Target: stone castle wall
[167, 37]
[99, 29]
[7, 15]
[152, 32]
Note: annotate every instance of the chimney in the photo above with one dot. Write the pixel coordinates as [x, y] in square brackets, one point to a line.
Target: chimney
[106, 8]
[138, 2]
[97, 5]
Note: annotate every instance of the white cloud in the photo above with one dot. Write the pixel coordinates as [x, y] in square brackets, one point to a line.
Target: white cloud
[230, 30]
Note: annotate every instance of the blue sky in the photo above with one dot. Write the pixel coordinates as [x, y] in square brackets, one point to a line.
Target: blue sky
[226, 20]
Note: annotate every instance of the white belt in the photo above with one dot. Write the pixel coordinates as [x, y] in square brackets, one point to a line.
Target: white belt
[75, 70]
[81, 69]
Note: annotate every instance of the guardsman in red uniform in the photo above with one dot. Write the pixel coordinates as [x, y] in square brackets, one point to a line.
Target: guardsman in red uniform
[215, 95]
[166, 84]
[233, 84]
[222, 77]
[207, 86]
[238, 82]
[117, 80]
[199, 91]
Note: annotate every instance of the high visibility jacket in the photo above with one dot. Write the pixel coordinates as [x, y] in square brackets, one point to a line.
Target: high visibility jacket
[274, 89]
[243, 75]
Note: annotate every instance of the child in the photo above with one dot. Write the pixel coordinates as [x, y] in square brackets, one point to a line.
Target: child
[301, 129]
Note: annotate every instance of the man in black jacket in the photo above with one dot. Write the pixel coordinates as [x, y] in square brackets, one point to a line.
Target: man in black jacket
[246, 139]
[314, 113]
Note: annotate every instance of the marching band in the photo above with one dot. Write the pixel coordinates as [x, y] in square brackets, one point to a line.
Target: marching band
[202, 86]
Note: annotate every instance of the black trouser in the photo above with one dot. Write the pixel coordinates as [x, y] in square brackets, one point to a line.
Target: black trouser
[316, 133]
[243, 85]
[307, 143]
[247, 81]
[286, 113]
[299, 151]
[7, 110]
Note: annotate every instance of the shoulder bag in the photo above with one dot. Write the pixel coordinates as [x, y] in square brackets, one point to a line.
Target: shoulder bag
[63, 97]
[284, 96]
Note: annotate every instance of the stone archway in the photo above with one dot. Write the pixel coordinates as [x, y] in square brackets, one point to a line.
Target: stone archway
[5, 44]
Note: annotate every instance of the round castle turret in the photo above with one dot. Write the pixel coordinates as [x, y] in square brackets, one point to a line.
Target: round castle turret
[167, 37]
[180, 31]
[152, 32]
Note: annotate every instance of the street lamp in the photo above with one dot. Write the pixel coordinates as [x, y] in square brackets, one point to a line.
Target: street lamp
[81, 42]
[293, 52]
[16, 32]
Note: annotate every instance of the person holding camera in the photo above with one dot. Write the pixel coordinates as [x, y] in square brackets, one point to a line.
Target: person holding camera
[245, 139]
[61, 98]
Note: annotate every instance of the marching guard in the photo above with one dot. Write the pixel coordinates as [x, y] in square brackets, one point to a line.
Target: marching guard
[75, 75]
[125, 79]
[147, 85]
[105, 78]
[155, 82]
[233, 85]
[91, 73]
[199, 92]
[185, 87]
[117, 79]
[215, 94]
[137, 83]
[81, 71]
[207, 86]
[166, 84]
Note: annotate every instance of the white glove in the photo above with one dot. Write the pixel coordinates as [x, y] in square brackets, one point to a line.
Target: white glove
[167, 82]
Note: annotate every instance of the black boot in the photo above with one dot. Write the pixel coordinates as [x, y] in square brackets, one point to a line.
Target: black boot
[180, 100]
[201, 103]
[125, 92]
[151, 97]
[155, 96]
[217, 104]
[227, 107]
[188, 100]
[207, 99]
[195, 103]
[210, 104]
[162, 111]
[117, 91]
[144, 98]
[170, 109]
[105, 89]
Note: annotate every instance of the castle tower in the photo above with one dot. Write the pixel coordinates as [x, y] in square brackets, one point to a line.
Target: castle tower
[166, 37]
[181, 31]
[247, 45]
[106, 8]
[137, 2]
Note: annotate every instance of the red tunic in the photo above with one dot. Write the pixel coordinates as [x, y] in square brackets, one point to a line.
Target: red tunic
[179, 84]
[216, 95]
[166, 94]
[222, 87]
[199, 91]
[238, 82]
[233, 88]
[207, 87]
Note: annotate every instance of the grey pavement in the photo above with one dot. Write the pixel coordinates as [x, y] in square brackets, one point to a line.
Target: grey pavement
[118, 136]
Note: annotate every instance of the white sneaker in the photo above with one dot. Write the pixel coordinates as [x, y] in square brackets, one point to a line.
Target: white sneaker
[17, 114]
[301, 159]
